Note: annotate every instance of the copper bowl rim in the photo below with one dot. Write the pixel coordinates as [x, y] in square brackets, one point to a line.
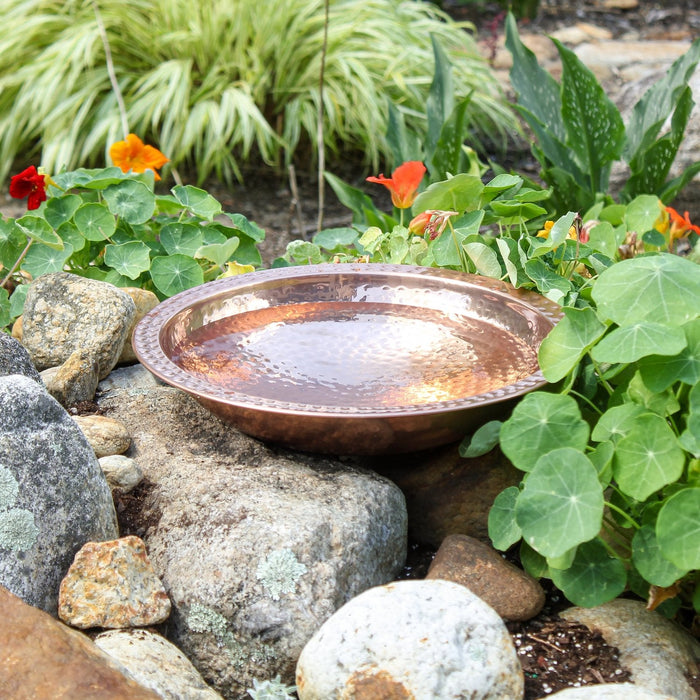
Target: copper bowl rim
[148, 333]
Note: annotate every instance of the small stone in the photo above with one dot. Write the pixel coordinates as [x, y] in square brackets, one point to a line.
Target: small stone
[123, 473]
[112, 585]
[17, 329]
[144, 301]
[619, 4]
[75, 380]
[106, 436]
[43, 659]
[609, 691]
[511, 592]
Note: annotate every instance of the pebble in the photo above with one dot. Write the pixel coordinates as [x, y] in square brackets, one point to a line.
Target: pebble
[106, 436]
[123, 473]
[144, 300]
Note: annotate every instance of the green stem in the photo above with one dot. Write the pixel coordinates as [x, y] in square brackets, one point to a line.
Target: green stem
[599, 372]
[612, 552]
[18, 262]
[621, 512]
[586, 400]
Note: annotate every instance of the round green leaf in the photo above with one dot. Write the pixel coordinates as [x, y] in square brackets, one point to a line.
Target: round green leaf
[642, 213]
[662, 288]
[548, 282]
[601, 458]
[659, 372]
[482, 441]
[594, 577]
[185, 239]
[128, 259]
[94, 221]
[647, 458]
[218, 253]
[130, 200]
[484, 258]
[503, 529]
[69, 233]
[561, 504]
[333, 238]
[174, 273]
[678, 529]
[41, 259]
[198, 201]
[61, 209]
[533, 562]
[616, 422]
[630, 343]
[542, 422]
[649, 561]
[12, 241]
[39, 229]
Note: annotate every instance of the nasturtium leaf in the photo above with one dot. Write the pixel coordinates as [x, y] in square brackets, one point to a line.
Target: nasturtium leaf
[533, 562]
[484, 258]
[398, 247]
[510, 255]
[503, 529]
[198, 201]
[41, 259]
[17, 300]
[548, 282]
[499, 184]
[5, 317]
[444, 247]
[130, 200]
[602, 238]
[247, 252]
[678, 529]
[61, 209]
[647, 458]
[630, 343]
[172, 274]
[69, 233]
[333, 238]
[561, 504]
[482, 441]
[642, 213]
[661, 288]
[616, 422]
[128, 259]
[181, 238]
[94, 222]
[218, 253]
[542, 422]
[568, 341]
[594, 577]
[650, 562]
[659, 372]
[12, 241]
[458, 193]
[563, 561]
[250, 228]
[601, 458]
[39, 229]
[664, 403]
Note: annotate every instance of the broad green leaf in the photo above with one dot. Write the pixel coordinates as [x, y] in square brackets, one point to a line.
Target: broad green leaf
[647, 458]
[602, 238]
[70, 233]
[90, 178]
[662, 288]
[594, 577]
[398, 248]
[404, 144]
[561, 504]
[174, 273]
[503, 530]
[563, 561]
[459, 193]
[198, 201]
[41, 259]
[218, 253]
[568, 342]
[663, 403]
[39, 229]
[444, 247]
[499, 184]
[12, 241]
[131, 200]
[94, 222]
[333, 238]
[660, 372]
[533, 562]
[61, 209]
[482, 441]
[185, 239]
[247, 252]
[5, 317]
[616, 422]
[678, 529]
[128, 259]
[365, 213]
[484, 258]
[440, 101]
[547, 281]
[630, 343]
[510, 255]
[516, 212]
[17, 300]
[304, 252]
[642, 213]
[542, 422]
[602, 458]
[249, 228]
[650, 562]
[448, 155]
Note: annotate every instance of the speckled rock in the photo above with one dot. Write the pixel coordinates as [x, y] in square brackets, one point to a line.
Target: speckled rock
[144, 301]
[255, 546]
[510, 591]
[657, 652]
[608, 691]
[75, 380]
[123, 473]
[64, 313]
[53, 495]
[112, 585]
[42, 659]
[106, 436]
[14, 359]
[411, 639]
[155, 663]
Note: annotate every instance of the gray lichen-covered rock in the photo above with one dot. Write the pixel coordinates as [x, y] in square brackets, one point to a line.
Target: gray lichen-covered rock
[412, 639]
[53, 494]
[64, 313]
[14, 359]
[256, 547]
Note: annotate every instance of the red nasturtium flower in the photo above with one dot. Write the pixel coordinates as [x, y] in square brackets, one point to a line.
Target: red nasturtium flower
[30, 184]
[403, 183]
[133, 154]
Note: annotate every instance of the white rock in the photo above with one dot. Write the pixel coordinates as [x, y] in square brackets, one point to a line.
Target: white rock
[123, 473]
[411, 639]
[106, 436]
[608, 691]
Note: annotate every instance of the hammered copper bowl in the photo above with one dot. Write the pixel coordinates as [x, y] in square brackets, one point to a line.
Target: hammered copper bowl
[350, 358]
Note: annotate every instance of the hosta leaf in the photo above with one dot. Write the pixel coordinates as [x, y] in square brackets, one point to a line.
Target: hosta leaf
[503, 529]
[482, 441]
[664, 288]
[174, 273]
[94, 221]
[630, 343]
[561, 504]
[650, 562]
[128, 259]
[542, 422]
[181, 238]
[40, 259]
[218, 253]
[647, 458]
[130, 200]
[678, 529]
[594, 577]
[660, 372]
[39, 229]
[198, 201]
[568, 342]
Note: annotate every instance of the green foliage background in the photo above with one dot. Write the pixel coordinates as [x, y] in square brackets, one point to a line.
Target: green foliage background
[214, 82]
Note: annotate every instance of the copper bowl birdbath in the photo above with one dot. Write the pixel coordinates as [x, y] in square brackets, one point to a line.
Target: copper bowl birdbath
[350, 358]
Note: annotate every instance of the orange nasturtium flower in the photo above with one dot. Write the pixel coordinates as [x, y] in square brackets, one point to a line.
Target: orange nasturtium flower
[30, 184]
[133, 154]
[681, 226]
[403, 183]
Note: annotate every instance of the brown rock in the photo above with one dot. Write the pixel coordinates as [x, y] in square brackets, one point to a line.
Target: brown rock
[113, 585]
[446, 494]
[511, 592]
[144, 302]
[42, 659]
[107, 436]
[75, 380]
